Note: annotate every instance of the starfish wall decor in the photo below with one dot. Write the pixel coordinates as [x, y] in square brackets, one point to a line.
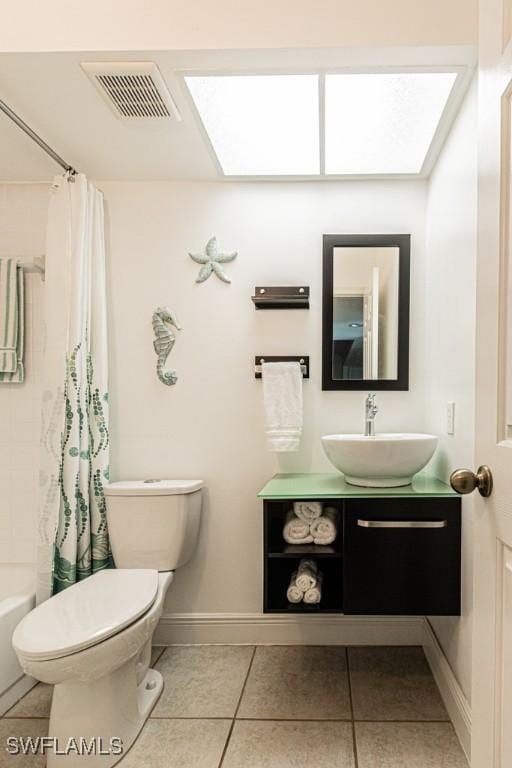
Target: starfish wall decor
[212, 261]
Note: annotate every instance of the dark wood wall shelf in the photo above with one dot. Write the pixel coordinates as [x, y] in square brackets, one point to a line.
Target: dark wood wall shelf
[281, 297]
[378, 565]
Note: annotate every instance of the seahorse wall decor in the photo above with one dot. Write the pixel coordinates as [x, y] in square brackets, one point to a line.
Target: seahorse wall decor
[163, 342]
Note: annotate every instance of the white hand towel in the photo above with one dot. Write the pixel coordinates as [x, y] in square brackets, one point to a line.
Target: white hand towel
[296, 531]
[308, 510]
[325, 528]
[314, 595]
[282, 399]
[293, 593]
[307, 574]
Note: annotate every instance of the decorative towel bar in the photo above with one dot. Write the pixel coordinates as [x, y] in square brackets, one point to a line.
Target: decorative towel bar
[302, 359]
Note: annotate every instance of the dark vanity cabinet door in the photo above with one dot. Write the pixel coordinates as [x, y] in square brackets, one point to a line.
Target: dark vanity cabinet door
[402, 556]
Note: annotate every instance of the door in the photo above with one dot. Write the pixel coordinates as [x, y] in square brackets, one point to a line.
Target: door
[367, 338]
[374, 325]
[371, 329]
[492, 644]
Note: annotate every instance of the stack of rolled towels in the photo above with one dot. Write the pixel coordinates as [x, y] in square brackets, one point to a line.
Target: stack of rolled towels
[310, 523]
[305, 583]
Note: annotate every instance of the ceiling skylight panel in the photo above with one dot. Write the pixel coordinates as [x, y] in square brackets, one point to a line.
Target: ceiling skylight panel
[382, 123]
[261, 125]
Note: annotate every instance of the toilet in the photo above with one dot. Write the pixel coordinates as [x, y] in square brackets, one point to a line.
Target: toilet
[93, 640]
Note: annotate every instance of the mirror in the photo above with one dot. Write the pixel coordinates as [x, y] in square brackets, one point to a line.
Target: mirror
[366, 312]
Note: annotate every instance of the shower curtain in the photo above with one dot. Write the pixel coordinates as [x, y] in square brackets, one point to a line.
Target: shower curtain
[73, 536]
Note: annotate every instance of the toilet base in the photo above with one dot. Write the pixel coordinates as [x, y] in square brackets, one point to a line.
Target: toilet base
[101, 717]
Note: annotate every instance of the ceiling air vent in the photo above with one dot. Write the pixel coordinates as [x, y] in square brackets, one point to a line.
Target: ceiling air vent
[133, 89]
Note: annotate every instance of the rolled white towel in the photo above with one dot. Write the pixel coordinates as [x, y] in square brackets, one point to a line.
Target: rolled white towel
[325, 528]
[293, 593]
[307, 510]
[314, 595]
[307, 574]
[296, 531]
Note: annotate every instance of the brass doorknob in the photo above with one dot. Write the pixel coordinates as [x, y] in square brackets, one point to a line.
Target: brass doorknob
[464, 481]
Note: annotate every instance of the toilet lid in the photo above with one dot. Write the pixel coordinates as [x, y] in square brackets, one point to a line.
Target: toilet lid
[152, 487]
[86, 613]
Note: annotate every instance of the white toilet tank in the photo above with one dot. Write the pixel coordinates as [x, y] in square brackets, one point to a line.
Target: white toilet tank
[153, 523]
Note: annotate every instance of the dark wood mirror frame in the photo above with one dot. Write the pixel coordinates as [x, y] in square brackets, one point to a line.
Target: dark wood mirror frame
[403, 243]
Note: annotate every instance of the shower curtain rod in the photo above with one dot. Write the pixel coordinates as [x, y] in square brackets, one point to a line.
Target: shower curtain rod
[38, 140]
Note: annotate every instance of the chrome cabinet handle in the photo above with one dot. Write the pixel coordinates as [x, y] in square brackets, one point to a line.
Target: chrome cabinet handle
[402, 523]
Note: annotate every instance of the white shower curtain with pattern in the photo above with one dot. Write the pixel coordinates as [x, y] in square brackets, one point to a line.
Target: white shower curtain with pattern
[73, 536]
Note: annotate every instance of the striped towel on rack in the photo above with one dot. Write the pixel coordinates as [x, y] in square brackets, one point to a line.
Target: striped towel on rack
[11, 322]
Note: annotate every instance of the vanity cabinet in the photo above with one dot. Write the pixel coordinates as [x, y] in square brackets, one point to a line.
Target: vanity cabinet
[397, 552]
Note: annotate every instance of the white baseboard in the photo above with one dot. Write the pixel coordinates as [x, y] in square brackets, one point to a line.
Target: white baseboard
[456, 703]
[287, 629]
[14, 693]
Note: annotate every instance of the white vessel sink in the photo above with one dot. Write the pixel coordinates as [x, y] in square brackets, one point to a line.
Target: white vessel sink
[382, 461]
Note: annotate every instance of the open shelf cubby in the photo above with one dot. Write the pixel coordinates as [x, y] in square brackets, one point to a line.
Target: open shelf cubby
[277, 578]
[275, 517]
[282, 559]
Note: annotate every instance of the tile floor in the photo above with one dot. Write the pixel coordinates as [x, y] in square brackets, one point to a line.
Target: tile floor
[279, 707]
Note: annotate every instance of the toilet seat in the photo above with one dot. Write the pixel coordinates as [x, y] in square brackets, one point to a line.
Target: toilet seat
[86, 613]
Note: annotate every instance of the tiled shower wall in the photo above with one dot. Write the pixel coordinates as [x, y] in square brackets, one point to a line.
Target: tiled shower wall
[22, 234]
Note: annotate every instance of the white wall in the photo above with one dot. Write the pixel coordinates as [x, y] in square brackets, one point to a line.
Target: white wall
[450, 345]
[22, 234]
[60, 25]
[210, 424]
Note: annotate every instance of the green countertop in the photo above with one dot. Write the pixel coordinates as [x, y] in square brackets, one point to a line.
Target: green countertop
[333, 486]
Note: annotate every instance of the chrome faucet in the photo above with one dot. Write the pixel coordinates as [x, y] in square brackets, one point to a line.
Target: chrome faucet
[371, 410]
